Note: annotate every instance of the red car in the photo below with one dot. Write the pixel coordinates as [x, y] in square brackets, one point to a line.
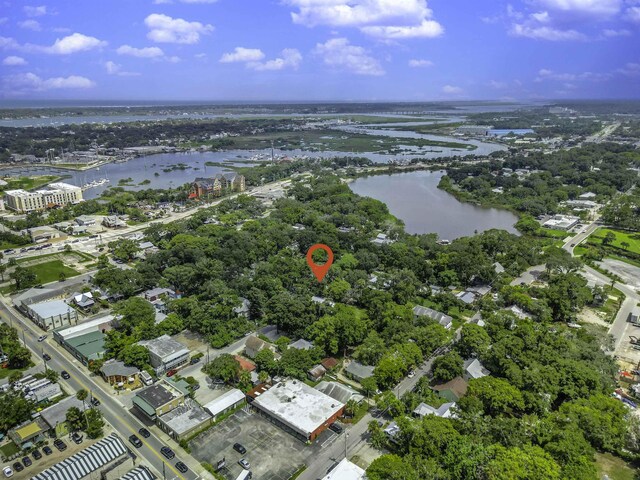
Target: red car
[172, 372]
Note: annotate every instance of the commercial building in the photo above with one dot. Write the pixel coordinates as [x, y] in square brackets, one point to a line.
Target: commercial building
[54, 195]
[138, 473]
[298, 409]
[56, 415]
[43, 233]
[339, 391]
[474, 129]
[225, 403]
[86, 340]
[166, 353]
[443, 319]
[160, 398]
[29, 433]
[51, 314]
[107, 459]
[561, 222]
[184, 420]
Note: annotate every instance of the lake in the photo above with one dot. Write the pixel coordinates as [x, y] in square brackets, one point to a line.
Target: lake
[414, 198]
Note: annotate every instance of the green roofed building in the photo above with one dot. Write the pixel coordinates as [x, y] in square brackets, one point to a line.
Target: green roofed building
[87, 347]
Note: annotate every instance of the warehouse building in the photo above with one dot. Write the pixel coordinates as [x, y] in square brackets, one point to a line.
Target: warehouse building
[297, 408]
[86, 340]
[51, 314]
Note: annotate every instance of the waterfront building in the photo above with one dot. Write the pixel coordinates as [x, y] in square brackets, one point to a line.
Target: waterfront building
[54, 195]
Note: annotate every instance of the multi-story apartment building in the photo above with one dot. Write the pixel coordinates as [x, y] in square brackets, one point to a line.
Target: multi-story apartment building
[54, 195]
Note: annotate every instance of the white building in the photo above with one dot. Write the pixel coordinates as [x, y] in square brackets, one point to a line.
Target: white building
[561, 222]
[166, 353]
[52, 314]
[54, 195]
[345, 470]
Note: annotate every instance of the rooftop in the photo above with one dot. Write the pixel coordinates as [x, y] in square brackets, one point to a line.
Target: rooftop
[165, 347]
[116, 367]
[359, 370]
[52, 308]
[90, 345]
[158, 394]
[86, 461]
[84, 327]
[224, 401]
[345, 470]
[301, 344]
[339, 391]
[57, 413]
[185, 418]
[475, 369]
[297, 405]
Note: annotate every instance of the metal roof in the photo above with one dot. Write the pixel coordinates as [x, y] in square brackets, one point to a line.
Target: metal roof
[85, 461]
[139, 473]
[224, 401]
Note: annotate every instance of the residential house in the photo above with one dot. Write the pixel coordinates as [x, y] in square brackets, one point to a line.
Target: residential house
[329, 363]
[316, 372]
[83, 301]
[301, 344]
[473, 368]
[452, 390]
[115, 372]
[166, 353]
[498, 268]
[254, 344]
[467, 297]
[56, 415]
[86, 220]
[243, 309]
[443, 319]
[358, 372]
[444, 411]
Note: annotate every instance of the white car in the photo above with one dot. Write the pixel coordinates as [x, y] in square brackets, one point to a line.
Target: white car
[7, 472]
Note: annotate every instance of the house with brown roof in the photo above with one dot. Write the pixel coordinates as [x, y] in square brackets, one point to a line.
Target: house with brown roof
[453, 390]
[246, 365]
[329, 363]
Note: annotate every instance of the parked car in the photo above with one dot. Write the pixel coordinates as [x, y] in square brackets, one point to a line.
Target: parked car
[36, 454]
[244, 464]
[336, 427]
[239, 448]
[182, 468]
[26, 461]
[60, 445]
[17, 466]
[42, 338]
[8, 472]
[64, 374]
[47, 450]
[46, 356]
[194, 387]
[136, 442]
[95, 402]
[412, 374]
[172, 372]
[77, 438]
[195, 360]
[167, 452]
[144, 432]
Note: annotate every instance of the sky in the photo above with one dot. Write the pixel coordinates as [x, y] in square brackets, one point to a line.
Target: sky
[319, 50]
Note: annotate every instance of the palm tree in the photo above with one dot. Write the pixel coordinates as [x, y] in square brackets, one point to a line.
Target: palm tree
[82, 395]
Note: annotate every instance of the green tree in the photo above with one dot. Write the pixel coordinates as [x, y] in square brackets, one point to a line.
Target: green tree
[377, 437]
[135, 315]
[82, 394]
[369, 386]
[224, 368]
[75, 419]
[14, 409]
[95, 423]
[430, 337]
[474, 341]
[265, 361]
[23, 277]
[526, 463]
[124, 249]
[447, 367]
[609, 238]
[496, 396]
[391, 467]
[136, 355]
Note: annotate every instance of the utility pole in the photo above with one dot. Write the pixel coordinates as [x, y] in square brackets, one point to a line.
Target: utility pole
[346, 436]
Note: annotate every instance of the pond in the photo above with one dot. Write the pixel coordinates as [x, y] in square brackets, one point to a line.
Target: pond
[415, 198]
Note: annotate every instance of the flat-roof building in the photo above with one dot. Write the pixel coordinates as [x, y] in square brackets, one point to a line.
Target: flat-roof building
[166, 353]
[561, 222]
[345, 470]
[297, 408]
[184, 420]
[225, 402]
[51, 314]
[56, 415]
[158, 399]
[54, 195]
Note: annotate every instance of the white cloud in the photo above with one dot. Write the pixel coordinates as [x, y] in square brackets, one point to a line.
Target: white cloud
[596, 8]
[165, 2]
[426, 29]
[165, 29]
[35, 11]
[419, 63]
[241, 54]
[146, 52]
[389, 19]
[452, 90]
[30, 25]
[115, 69]
[630, 70]
[339, 53]
[13, 61]
[498, 85]
[633, 14]
[289, 58]
[30, 82]
[545, 33]
[8, 42]
[76, 42]
[547, 74]
[616, 33]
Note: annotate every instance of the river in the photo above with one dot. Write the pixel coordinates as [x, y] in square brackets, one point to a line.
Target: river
[415, 198]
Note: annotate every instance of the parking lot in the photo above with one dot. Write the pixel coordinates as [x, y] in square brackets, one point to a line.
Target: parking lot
[272, 453]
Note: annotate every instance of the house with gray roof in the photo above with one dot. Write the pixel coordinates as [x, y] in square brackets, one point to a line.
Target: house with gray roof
[358, 371]
[166, 353]
[339, 391]
[442, 318]
[444, 411]
[115, 372]
[301, 344]
[56, 415]
[473, 368]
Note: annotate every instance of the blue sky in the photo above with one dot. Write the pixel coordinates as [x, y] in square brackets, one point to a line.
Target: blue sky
[319, 50]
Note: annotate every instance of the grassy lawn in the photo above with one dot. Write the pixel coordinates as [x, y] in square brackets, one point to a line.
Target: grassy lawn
[50, 271]
[548, 232]
[614, 467]
[580, 250]
[611, 306]
[80, 256]
[6, 372]
[9, 449]
[633, 239]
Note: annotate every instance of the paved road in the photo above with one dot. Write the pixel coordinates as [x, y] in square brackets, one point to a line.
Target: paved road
[582, 235]
[115, 413]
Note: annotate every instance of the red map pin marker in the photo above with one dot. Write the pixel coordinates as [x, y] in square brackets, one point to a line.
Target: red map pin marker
[320, 270]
